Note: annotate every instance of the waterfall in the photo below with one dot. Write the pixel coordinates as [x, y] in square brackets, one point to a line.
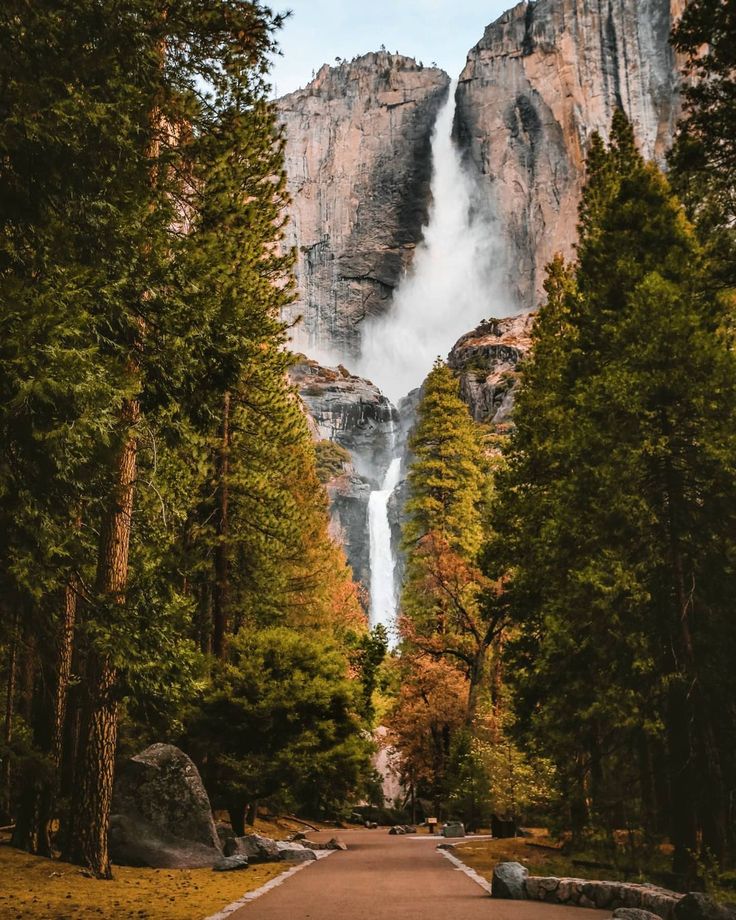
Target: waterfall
[453, 284]
[383, 588]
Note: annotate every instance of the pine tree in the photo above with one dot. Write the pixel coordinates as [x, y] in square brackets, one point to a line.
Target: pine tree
[446, 600]
[608, 515]
[704, 157]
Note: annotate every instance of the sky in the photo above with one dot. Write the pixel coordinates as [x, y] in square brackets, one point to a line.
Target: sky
[441, 31]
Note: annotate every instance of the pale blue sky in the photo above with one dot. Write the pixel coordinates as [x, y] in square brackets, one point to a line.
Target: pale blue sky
[429, 30]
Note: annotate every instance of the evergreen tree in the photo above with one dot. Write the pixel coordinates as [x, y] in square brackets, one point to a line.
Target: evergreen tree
[446, 601]
[704, 156]
[617, 507]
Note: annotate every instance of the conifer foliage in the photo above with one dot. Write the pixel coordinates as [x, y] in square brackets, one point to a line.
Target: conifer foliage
[150, 440]
[616, 517]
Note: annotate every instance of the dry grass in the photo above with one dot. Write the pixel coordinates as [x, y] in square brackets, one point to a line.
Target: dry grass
[483, 855]
[32, 888]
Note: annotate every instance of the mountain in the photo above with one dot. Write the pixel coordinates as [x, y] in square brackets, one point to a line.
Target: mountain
[544, 77]
[359, 166]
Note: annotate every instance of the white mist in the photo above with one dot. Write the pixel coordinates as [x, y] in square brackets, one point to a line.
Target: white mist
[453, 282]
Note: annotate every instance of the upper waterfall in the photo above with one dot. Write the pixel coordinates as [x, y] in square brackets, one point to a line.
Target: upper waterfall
[453, 280]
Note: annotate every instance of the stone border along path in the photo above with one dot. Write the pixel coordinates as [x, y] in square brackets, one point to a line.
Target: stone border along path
[511, 880]
[269, 886]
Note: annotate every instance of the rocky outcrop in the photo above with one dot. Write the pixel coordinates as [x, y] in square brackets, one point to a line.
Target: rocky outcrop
[359, 167]
[161, 812]
[543, 78]
[353, 413]
[350, 411]
[486, 362]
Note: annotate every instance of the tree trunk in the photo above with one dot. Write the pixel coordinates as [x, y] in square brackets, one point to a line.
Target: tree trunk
[88, 843]
[236, 812]
[693, 703]
[64, 655]
[252, 812]
[220, 599]
[682, 786]
[10, 689]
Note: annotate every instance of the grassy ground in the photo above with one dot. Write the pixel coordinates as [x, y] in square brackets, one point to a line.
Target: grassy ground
[541, 857]
[32, 888]
[543, 860]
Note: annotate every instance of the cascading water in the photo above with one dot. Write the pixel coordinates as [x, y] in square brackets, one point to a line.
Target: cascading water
[453, 284]
[383, 587]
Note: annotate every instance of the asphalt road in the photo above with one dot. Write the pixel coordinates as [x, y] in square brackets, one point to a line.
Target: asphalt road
[392, 878]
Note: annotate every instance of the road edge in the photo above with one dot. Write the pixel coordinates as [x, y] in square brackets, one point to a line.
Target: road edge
[471, 873]
[268, 886]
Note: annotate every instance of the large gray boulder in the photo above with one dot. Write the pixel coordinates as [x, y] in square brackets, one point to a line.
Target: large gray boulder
[455, 829]
[696, 906]
[159, 799]
[509, 881]
[135, 842]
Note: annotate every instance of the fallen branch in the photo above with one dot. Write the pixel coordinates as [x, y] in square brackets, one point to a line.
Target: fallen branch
[298, 821]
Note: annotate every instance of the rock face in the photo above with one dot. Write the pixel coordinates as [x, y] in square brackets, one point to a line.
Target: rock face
[353, 413]
[359, 166]
[486, 361]
[350, 411]
[542, 79]
[161, 812]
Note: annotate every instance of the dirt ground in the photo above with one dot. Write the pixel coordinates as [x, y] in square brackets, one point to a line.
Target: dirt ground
[33, 888]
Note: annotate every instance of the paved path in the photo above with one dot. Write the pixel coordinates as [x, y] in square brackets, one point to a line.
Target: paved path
[392, 878]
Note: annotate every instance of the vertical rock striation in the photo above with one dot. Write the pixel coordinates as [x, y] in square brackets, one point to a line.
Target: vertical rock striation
[543, 78]
[359, 169]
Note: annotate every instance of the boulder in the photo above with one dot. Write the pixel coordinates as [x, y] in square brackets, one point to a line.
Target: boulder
[230, 864]
[633, 913]
[333, 844]
[297, 854]
[396, 830]
[162, 786]
[509, 881]
[697, 906]
[336, 844]
[453, 830]
[254, 847]
[135, 842]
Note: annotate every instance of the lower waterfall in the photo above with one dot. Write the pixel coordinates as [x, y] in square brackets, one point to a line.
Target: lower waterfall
[383, 587]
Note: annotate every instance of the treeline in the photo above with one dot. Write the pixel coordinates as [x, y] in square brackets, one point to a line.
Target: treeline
[600, 571]
[164, 557]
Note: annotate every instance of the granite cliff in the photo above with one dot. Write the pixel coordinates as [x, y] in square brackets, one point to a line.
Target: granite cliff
[544, 77]
[359, 167]
[352, 413]
[486, 363]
